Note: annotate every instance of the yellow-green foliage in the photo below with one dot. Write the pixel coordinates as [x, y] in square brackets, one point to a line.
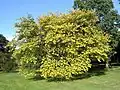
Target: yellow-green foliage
[59, 46]
[27, 46]
[71, 42]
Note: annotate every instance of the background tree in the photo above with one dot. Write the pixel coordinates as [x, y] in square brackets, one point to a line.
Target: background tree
[109, 19]
[6, 63]
[3, 40]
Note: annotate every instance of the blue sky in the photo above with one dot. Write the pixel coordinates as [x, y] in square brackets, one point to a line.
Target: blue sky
[11, 10]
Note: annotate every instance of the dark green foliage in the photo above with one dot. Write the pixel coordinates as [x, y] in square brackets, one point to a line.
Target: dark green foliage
[101, 7]
[3, 40]
[6, 63]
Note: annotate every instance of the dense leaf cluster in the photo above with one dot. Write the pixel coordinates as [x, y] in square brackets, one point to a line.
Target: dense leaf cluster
[71, 42]
[109, 19]
[59, 46]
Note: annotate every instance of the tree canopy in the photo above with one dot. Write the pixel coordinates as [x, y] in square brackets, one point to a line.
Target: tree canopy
[109, 19]
[59, 46]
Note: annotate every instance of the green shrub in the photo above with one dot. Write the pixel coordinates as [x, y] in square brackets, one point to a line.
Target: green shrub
[6, 63]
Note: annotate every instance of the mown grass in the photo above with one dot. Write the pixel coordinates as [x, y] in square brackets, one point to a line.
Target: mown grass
[108, 81]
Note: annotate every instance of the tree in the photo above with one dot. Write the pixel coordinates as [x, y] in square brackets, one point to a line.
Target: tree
[26, 46]
[109, 19]
[3, 40]
[6, 63]
[59, 46]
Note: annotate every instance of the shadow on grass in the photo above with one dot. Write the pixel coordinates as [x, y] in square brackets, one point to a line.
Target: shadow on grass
[12, 71]
[97, 70]
[36, 78]
[94, 71]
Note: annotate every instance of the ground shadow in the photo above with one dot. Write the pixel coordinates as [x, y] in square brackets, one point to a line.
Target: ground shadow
[11, 71]
[37, 78]
[97, 70]
[94, 71]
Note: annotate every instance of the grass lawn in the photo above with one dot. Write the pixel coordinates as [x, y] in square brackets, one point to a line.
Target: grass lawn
[109, 81]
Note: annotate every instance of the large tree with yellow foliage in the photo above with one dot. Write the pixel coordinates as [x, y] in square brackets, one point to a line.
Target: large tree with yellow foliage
[59, 45]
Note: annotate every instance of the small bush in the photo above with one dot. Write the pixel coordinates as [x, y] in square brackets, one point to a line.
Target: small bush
[6, 63]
